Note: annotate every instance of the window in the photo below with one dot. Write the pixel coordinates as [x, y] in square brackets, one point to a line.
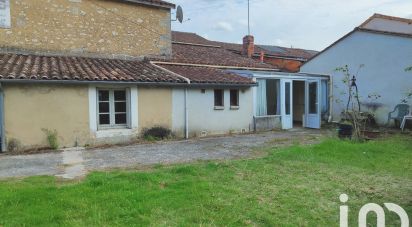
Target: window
[313, 97]
[268, 97]
[219, 98]
[112, 108]
[234, 98]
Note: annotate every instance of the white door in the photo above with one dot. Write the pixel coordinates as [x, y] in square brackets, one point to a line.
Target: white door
[312, 103]
[286, 103]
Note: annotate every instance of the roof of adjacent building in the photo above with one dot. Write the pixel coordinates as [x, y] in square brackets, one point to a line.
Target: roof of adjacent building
[158, 3]
[269, 50]
[204, 61]
[214, 56]
[208, 75]
[386, 23]
[63, 68]
[375, 29]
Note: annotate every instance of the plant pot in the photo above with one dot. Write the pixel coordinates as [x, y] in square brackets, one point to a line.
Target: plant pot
[345, 131]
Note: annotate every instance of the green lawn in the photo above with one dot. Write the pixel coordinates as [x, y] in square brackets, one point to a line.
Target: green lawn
[296, 186]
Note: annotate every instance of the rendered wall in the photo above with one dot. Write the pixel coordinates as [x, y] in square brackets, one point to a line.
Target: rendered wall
[385, 58]
[205, 120]
[30, 108]
[154, 107]
[87, 27]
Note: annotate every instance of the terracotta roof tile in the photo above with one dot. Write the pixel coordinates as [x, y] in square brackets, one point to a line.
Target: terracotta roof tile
[34, 67]
[208, 75]
[204, 55]
[187, 37]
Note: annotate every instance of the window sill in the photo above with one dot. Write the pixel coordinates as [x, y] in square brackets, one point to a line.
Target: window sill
[114, 132]
[219, 108]
[234, 107]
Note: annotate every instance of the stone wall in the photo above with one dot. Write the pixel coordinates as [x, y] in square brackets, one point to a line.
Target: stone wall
[87, 28]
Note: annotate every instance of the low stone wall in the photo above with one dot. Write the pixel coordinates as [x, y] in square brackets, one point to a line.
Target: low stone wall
[266, 123]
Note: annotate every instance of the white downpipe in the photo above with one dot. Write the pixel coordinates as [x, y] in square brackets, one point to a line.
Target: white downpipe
[186, 116]
[330, 118]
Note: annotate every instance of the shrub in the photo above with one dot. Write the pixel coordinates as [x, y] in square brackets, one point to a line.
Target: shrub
[156, 133]
[51, 137]
[13, 145]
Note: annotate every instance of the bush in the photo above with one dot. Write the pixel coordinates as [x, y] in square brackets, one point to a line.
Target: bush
[156, 133]
[13, 145]
[51, 137]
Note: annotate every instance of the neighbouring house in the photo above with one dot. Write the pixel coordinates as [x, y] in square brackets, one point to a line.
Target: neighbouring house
[383, 45]
[279, 100]
[284, 58]
[77, 67]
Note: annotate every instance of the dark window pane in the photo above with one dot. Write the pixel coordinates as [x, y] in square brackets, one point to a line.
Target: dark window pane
[287, 98]
[119, 107]
[103, 107]
[120, 119]
[313, 97]
[234, 97]
[104, 119]
[218, 97]
[119, 95]
[103, 95]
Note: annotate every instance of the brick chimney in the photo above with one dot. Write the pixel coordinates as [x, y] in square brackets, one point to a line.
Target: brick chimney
[248, 46]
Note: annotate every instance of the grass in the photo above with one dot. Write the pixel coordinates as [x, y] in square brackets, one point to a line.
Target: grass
[295, 186]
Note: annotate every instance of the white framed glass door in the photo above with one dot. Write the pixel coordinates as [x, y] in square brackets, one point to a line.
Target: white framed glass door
[286, 89]
[312, 103]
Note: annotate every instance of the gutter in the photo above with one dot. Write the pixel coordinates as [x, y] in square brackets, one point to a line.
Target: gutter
[215, 66]
[173, 73]
[92, 82]
[152, 84]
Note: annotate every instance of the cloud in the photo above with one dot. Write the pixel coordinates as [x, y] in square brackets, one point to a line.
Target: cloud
[223, 26]
[311, 24]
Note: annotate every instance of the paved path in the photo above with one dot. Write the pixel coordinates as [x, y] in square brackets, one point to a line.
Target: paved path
[73, 163]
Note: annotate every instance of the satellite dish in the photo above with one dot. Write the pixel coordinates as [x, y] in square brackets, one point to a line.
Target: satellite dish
[179, 14]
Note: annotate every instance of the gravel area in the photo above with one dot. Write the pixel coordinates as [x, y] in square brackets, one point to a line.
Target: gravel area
[139, 155]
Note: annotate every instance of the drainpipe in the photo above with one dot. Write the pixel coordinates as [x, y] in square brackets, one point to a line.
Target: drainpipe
[185, 98]
[330, 100]
[2, 134]
[186, 116]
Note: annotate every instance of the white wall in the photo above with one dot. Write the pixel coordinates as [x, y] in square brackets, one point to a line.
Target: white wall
[204, 118]
[385, 58]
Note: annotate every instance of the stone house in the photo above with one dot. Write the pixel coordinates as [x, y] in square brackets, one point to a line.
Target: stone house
[81, 68]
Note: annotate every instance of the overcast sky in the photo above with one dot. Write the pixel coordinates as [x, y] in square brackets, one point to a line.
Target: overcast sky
[309, 24]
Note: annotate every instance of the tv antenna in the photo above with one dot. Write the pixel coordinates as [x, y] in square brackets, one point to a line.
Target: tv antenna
[179, 14]
[248, 17]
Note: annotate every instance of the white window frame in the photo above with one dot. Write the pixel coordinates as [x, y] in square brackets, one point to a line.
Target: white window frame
[112, 112]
